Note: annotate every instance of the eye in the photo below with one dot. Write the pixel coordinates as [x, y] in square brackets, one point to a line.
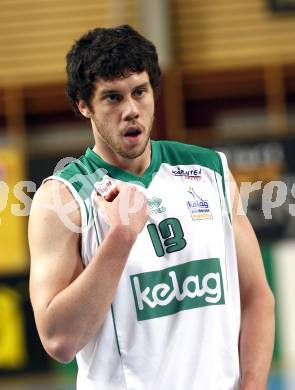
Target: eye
[139, 92]
[113, 97]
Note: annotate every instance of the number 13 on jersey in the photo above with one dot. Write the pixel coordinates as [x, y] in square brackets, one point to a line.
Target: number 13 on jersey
[167, 236]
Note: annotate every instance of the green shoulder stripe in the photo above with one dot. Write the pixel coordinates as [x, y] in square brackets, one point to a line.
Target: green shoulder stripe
[176, 153]
[81, 173]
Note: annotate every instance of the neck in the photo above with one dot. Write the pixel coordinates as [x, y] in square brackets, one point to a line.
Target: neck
[136, 165]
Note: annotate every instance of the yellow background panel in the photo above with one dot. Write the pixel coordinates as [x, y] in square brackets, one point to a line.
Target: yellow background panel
[12, 342]
[13, 253]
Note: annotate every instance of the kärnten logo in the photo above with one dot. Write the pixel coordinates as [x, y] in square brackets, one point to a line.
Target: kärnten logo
[199, 208]
[185, 286]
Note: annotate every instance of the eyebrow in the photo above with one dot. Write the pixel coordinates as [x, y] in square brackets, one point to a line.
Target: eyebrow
[108, 91]
[115, 91]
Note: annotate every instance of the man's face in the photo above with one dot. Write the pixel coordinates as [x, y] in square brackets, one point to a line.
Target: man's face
[122, 115]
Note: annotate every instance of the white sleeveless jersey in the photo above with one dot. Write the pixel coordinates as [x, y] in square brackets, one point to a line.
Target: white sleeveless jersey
[175, 318]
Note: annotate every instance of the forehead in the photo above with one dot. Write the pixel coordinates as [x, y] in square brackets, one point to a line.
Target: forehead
[121, 83]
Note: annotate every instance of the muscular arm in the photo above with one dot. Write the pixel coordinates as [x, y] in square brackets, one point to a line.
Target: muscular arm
[70, 302]
[257, 304]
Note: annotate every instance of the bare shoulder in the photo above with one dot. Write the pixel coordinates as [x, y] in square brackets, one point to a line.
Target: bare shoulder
[55, 196]
[54, 218]
[54, 241]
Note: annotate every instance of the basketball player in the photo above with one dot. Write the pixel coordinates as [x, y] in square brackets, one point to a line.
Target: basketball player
[140, 265]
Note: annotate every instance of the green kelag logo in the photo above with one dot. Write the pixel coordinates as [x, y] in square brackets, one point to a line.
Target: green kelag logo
[186, 286]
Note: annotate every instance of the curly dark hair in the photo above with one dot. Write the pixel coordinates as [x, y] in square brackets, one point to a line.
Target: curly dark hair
[108, 53]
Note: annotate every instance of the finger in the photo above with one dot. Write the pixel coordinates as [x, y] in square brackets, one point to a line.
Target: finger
[131, 201]
[111, 195]
[105, 186]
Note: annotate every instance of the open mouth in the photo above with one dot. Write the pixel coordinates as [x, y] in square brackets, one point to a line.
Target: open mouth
[132, 132]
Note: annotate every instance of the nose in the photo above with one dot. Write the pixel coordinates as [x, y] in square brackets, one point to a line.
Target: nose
[130, 110]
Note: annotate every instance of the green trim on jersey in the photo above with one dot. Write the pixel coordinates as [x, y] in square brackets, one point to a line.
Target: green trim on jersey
[126, 176]
[169, 152]
[115, 329]
[225, 197]
[223, 188]
[95, 228]
[82, 173]
[177, 153]
[112, 310]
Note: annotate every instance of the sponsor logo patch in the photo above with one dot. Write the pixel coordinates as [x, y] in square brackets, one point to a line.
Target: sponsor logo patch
[155, 206]
[191, 174]
[186, 286]
[105, 185]
[199, 208]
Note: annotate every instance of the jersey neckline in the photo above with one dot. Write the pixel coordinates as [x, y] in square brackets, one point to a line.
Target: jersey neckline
[123, 175]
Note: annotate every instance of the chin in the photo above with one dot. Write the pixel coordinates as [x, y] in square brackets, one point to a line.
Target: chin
[136, 152]
[131, 155]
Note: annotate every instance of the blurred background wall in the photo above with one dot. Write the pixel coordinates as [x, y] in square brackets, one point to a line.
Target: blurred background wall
[228, 83]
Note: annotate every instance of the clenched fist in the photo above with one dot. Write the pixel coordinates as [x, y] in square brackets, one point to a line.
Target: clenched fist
[126, 205]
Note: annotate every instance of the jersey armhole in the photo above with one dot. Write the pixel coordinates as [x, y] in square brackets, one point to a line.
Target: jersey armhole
[84, 212]
[225, 183]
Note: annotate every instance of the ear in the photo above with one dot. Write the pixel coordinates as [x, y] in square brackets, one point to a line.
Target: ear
[83, 108]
